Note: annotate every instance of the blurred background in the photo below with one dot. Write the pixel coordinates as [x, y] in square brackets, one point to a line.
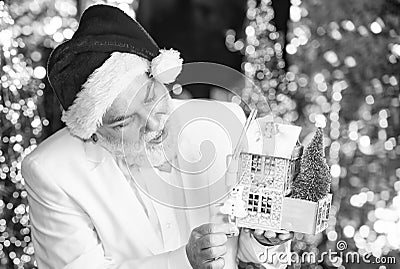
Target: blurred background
[335, 63]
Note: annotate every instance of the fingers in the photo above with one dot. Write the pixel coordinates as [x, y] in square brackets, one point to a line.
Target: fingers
[214, 264]
[212, 228]
[267, 234]
[270, 234]
[212, 240]
[258, 232]
[207, 244]
[286, 236]
[271, 238]
[213, 252]
[259, 236]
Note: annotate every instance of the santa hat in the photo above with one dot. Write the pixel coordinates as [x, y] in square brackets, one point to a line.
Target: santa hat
[106, 54]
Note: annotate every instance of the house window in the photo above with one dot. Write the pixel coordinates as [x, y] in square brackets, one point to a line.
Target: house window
[319, 215]
[253, 202]
[328, 206]
[256, 164]
[266, 205]
[259, 203]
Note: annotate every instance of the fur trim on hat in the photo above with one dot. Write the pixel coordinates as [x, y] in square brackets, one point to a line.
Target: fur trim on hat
[98, 93]
[104, 85]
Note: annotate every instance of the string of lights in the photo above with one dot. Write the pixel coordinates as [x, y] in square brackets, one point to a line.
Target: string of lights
[21, 126]
[344, 74]
[353, 92]
[354, 89]
[27, 30]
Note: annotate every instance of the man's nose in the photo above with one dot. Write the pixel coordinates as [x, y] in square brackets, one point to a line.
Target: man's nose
[153, 123]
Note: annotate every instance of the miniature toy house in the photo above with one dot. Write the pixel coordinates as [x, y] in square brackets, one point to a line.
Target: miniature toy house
[264, 186]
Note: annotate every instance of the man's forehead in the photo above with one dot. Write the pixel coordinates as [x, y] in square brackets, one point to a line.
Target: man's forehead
[129, 99]
[114, 112]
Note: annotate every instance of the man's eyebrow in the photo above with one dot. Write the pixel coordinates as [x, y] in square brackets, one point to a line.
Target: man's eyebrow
[115, 119]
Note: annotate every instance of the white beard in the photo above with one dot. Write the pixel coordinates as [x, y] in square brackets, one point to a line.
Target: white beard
[145, 154]
[156, 155]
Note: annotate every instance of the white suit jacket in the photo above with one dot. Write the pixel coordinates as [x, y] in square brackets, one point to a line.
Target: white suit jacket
[85, 214]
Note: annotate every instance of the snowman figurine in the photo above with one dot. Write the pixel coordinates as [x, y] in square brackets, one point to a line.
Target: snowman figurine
[234, 206]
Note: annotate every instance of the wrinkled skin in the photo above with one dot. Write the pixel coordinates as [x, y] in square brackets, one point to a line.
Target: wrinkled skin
[207, 245]
[135, 127]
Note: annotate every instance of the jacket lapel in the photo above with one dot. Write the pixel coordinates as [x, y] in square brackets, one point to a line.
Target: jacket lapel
[122, 201]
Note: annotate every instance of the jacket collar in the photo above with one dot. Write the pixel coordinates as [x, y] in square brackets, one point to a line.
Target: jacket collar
[103, 167]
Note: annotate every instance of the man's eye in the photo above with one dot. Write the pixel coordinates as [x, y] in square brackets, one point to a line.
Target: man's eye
[118, 127]
[123, 124]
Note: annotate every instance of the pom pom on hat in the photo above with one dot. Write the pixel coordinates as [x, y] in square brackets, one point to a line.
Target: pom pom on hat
[166, 66]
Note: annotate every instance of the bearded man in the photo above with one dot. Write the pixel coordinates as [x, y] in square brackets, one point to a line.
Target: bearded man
[88, 184]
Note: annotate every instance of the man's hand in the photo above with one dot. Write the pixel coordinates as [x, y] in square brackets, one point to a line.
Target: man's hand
[270, 238]
[207, 245]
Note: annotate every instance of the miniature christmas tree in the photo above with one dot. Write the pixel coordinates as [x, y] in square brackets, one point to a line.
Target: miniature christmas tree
[314, 179]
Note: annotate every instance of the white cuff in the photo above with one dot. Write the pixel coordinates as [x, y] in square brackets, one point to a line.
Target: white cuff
[250, 250]
[178, 259]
